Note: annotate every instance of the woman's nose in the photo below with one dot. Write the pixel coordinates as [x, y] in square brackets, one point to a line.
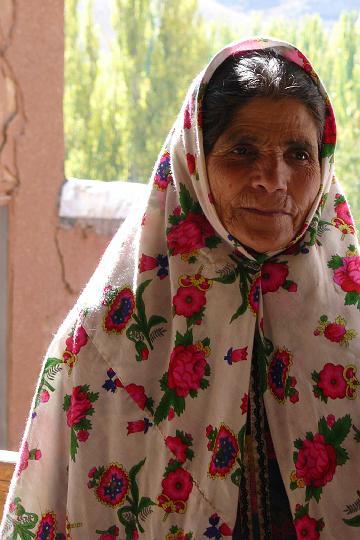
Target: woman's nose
[272, 174]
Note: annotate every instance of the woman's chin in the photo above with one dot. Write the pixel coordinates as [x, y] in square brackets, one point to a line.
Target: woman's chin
[263, 243]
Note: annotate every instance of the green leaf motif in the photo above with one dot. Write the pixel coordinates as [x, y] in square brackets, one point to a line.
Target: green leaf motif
[353, 522]
[351, 298]
[341, 455]
[140, 305]
[186, 201]
[227, 279]
[212, 242]
[314, 492]
[67, 402]
[74, 445]
[185, 340]
[335, 262]
[163, 408]
[155, 320]
[339, 431]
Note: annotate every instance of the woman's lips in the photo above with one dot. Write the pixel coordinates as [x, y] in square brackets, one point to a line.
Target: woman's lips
[271, 213]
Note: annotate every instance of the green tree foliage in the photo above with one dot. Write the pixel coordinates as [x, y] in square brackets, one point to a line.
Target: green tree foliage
[120, 106]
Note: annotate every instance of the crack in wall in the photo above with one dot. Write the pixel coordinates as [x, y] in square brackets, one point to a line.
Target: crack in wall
[65, 281]
[13, 114]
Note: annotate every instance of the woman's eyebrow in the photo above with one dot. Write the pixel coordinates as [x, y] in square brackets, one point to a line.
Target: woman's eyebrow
[305, 143]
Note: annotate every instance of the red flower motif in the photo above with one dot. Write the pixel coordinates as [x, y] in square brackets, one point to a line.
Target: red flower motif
[332, 382]
[343, 212]
[188, 301]
[316, 462]
[44, 396]
[294, 398]
[244, 403]
[273, 276]
[147, 263]
[46, 528]
[329, 135]
[24, 458]
[348, 275]
[225, 530]
[191, 163]
[138, 426]
[137, 392]
[82, 435]
[177, 447]
[187, 115]
[306, 527]
[330, 420]
[190, 234]
[79, 406]
[186, 369]
[335, 332]
[177, 485]
[77, 340]
[120, 311]
[254, 295]
[113, 486]
[171, 414]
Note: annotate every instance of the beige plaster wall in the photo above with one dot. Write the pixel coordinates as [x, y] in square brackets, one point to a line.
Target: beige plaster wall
[47, 265]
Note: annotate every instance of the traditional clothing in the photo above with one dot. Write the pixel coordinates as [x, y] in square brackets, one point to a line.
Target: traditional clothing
[139, 424]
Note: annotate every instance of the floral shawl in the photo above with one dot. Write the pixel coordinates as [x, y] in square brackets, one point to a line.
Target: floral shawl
[137, 426]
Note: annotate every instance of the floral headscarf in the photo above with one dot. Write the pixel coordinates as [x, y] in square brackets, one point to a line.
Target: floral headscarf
[138, 424]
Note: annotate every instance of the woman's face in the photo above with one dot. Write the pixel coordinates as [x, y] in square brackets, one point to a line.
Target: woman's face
[264, 172]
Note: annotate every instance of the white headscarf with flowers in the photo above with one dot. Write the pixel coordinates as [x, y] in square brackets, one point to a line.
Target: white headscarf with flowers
[162, 350]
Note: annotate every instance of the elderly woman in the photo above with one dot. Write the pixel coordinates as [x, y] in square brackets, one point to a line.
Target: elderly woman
[205, 384]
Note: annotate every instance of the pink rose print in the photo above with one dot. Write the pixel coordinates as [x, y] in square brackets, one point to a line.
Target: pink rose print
[236, 355]
[316, 461]
[332, 382]
[273, 276]
[306, 527]
[111, 534]
[82, 435]
[244, 404]
[177, 485]
[79, 406]
[335, 382]
[335, 332]
[329, 135]
[177, 447]
[74, 343]
[348, 275]
[190, 234]
[343, 212]
[343, 220]
[147, 263]
[187, 115]
[44, 396]
[191, 163]
[137, 392]
[26, 455]
[139, 426]
[188, 301]
[186, 369]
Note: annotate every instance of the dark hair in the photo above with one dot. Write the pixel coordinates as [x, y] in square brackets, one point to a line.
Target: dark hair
[256, 74]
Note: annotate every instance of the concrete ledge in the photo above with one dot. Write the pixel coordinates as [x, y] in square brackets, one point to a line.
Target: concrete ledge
[98, 204]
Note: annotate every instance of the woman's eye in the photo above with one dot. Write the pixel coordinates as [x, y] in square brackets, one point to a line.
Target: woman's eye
[301, 155]
[241, 150]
